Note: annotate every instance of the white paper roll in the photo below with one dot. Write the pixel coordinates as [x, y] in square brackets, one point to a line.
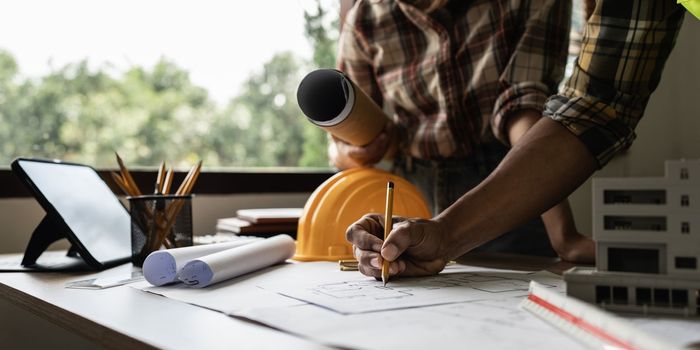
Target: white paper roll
[162, 266]
[231, 263]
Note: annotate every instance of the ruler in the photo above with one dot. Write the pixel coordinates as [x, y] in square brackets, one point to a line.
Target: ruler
[586, 323]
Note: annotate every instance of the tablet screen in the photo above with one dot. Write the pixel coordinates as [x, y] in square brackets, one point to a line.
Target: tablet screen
[86, 204]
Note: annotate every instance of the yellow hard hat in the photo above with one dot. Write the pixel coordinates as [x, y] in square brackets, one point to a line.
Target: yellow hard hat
[342, 200]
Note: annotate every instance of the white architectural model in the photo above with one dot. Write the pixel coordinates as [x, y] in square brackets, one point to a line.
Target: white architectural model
[647, 233]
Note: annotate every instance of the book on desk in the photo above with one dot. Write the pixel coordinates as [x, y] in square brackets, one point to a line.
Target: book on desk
[261, 222]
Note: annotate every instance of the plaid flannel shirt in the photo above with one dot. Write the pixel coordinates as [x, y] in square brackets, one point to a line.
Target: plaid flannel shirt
[624, 49]
[455, 76]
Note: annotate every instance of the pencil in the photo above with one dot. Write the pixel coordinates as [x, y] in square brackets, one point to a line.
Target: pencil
[160, 178]
[126, 176]
[387, 226]
[168, 181]
[118, 180]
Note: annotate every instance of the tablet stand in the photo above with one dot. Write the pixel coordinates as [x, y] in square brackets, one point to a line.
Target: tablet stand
[49, 230]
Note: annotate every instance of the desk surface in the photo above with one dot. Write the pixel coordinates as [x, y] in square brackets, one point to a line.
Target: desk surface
[122, 317]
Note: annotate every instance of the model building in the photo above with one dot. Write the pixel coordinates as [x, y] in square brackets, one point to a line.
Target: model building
[647, 233]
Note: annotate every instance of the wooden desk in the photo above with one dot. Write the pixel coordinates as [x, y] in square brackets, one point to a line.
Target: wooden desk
[123, 317]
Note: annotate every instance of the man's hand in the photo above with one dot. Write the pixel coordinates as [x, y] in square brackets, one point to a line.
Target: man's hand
[415, 247]
[576, 248]
[344, 155]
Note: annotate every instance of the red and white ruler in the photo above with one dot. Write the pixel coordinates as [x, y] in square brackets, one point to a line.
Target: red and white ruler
[586, 323]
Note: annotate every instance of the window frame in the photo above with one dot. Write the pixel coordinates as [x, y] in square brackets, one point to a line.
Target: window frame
[265, 180]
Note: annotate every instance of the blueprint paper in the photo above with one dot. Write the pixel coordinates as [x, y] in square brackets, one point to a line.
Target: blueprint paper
[488, 324]
[162, 266]
[223, 265]
[364, 294]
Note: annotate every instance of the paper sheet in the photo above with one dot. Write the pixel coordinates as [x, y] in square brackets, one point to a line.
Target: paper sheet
[106, 282]
[363, 294]
[680, 332]
[488, 324]
[245, 292]
[230, 263]
[257, 289]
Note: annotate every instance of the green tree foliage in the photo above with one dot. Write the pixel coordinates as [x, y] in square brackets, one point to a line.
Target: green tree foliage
[323, 38]
[148, 115]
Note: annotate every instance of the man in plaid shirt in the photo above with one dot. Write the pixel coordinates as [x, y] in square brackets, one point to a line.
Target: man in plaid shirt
[465, 80]
[625, 46]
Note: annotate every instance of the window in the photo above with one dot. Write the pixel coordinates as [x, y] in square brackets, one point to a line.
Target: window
[686, 262]
[643, 296]
[685, 200]
[619, 295]
[634, 223]
[177, 81]
[602, 295]
[685, 227]
[684, 174]
[661, 297]
[634, 197]
[633, 260]
[679, 298]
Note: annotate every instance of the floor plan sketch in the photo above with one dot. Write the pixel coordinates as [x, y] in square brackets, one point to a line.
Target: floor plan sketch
[367, 295]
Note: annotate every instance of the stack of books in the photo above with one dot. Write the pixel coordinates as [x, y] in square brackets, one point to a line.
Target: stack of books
[261, 222]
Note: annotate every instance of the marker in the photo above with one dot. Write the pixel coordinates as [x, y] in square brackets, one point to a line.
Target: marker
[387, 226]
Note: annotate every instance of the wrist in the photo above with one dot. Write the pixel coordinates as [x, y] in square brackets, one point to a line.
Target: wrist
[453, 243]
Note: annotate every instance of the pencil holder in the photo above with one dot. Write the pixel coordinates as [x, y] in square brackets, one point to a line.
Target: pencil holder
[159, 221]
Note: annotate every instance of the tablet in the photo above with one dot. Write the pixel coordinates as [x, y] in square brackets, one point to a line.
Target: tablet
[79, 202]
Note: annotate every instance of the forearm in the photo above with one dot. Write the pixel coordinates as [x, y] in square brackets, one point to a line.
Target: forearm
[558, 220]
[543, 168]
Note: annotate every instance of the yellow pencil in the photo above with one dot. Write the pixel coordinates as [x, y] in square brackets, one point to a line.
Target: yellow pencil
[387, 226]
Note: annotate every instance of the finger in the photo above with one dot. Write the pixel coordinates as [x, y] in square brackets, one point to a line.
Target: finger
[395, 268]
[368, 258]
[371, 151]
[365, 232]
[404, 235]
[368, 271]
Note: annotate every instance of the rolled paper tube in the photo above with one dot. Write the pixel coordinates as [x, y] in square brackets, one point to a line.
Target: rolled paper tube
[330, 100]
[162, 266]
[231, 263]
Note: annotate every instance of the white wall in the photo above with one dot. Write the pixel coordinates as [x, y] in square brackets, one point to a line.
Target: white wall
[670, 128]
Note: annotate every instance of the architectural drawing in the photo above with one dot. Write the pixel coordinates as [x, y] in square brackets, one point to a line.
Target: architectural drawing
[373, 290]
[647, 233]
[368, 295]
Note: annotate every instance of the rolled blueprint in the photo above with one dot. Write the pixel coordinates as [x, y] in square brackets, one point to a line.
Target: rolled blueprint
[331, 101]
[162, 266]
[231, 263]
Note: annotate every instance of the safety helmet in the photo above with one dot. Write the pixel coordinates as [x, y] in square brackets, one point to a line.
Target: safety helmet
[345, 198]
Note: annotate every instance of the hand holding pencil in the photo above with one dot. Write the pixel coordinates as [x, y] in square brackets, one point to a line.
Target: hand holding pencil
[413, 247]
[388, 213]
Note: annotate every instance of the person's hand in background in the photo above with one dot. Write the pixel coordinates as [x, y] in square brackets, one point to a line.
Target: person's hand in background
[344, 155]
[415, 247]
[569, 244]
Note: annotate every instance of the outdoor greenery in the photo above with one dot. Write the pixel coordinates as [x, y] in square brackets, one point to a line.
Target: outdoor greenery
[148, 115]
